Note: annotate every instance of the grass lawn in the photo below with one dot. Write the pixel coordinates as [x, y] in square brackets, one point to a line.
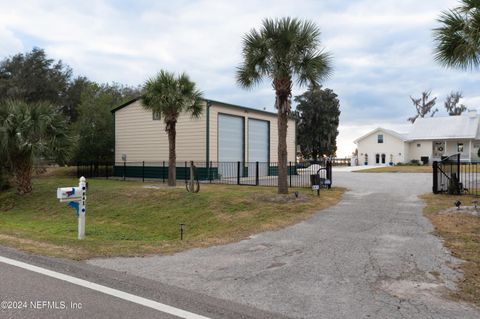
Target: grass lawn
[397, 169]
[461, 234]
[125, 218]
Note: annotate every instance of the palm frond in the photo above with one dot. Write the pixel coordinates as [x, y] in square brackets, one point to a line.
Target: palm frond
[168, 95]
[458, 38]
[281, 50]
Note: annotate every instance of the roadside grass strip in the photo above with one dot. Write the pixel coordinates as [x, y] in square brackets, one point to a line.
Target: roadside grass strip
[460, 231]
[131, 218]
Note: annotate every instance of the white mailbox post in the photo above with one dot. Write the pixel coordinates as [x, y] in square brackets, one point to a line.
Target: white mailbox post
[76, 198]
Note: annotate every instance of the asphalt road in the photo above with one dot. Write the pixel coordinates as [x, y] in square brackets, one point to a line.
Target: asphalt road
[371, 256]
[27, 294]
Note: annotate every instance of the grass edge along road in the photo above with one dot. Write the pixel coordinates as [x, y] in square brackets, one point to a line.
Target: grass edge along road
[461, 235]
[131, 218]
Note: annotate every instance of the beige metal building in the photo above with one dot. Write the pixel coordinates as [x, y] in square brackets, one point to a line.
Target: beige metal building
[224, 133]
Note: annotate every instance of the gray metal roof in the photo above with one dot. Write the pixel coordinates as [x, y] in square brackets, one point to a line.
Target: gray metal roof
[446, 127]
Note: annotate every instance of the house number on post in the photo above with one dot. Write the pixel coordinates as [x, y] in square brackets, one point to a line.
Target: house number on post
[76, 198]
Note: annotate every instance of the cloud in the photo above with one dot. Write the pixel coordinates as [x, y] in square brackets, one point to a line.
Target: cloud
[382, 50]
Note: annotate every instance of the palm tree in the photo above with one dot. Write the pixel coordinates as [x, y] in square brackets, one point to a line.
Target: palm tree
[29, 132]
[167, 96]
[458, 39]
[283, 50]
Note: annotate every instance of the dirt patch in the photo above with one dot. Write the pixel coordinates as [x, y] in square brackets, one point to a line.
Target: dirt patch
[42, 247]
[470, 210]
[278, 198]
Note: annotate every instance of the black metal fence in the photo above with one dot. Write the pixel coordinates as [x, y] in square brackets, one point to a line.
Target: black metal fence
[452, 176]
[239, 173]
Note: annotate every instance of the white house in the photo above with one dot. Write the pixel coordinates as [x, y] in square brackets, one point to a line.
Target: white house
[429, 139]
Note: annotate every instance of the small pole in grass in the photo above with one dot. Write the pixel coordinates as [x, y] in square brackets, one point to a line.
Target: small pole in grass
[182, 229]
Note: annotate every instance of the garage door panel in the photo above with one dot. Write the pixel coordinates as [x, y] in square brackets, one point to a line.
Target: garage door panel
[230, 143]
[258, 146]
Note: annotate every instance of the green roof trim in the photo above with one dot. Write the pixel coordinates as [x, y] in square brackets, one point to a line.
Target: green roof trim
[207, 101]
[124, 104]
[240, 107]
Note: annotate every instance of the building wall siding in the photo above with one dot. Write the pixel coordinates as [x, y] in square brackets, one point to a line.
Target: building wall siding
[143, 139]
[391, 146]
[416, 152]
[215, 109]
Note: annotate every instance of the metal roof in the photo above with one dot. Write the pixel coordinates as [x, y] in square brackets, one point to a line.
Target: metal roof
[446, 127]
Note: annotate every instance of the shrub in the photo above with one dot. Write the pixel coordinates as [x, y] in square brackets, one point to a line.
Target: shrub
[4, 179]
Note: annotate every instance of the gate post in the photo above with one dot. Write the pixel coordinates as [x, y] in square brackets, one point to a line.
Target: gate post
[329, 172]
[435, 177]
[256, 174]
[238, 173]
[458, 166]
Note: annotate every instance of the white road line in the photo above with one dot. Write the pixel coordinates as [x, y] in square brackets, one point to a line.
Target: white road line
[106, 290]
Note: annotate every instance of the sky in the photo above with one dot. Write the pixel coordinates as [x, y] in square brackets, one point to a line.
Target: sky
[382, 51]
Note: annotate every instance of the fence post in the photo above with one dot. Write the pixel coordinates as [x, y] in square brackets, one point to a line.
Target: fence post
[163, 172]
[435, 177]
[256, 174]
[209, 173]
[185, 173]
[124, 169]
[290, 172]
[143, 171]
[238, 173]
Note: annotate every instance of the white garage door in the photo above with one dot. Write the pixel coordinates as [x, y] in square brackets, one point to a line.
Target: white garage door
[230, 144]
[258, 146]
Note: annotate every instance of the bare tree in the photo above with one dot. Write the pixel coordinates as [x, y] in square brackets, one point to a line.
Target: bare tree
[423, 106]
[451, 104]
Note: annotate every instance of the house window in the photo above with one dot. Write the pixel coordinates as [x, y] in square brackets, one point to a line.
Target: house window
[156, 116]
[380, 138]
[419, 145]
[383, 158]
[460, 147]
[377, 158]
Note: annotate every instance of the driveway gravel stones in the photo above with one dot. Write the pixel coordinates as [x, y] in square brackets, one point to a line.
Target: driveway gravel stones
[371, 256]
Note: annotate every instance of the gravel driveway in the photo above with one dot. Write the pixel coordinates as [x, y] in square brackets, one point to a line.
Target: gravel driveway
[371, 256]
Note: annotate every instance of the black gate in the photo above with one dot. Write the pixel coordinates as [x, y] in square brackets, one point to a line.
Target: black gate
[447, 175]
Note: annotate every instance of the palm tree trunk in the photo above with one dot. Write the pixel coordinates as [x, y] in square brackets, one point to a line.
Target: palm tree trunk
[172, 156]
[283, 89]
[23, 176]
[282, 153]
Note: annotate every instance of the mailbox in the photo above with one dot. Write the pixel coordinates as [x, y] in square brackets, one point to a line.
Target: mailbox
[76, 198]
[66, 194]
